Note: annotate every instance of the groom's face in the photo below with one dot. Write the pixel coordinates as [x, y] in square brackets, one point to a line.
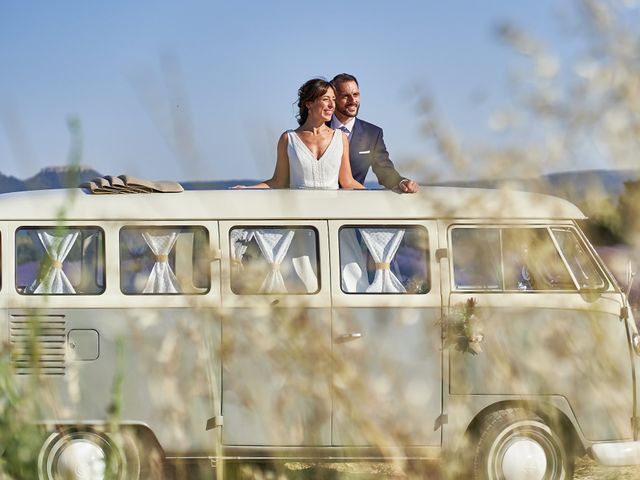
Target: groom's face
[347, 99]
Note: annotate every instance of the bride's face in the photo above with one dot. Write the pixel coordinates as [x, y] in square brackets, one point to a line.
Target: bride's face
[323, 106]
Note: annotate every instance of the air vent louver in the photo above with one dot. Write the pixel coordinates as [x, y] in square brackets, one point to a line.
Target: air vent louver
[38, 344]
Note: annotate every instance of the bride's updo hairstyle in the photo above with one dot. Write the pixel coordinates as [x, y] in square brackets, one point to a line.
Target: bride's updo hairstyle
[308, 92]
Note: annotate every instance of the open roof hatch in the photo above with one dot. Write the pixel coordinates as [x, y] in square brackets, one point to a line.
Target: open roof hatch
[128, 184]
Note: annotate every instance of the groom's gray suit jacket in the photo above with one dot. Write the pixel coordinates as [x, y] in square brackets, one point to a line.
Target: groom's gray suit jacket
[367, 150]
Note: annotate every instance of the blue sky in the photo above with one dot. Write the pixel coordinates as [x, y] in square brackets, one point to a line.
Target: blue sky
[201, 89]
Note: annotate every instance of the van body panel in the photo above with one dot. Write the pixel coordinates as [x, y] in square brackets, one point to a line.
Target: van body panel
[599, 390]
[383, 388]
[276, 377]
[154, 358]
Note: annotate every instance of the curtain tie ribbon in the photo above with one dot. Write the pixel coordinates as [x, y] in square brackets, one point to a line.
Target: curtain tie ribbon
[383, 266]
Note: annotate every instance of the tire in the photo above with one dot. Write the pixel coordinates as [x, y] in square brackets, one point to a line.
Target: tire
[86, 454]
[516, 444]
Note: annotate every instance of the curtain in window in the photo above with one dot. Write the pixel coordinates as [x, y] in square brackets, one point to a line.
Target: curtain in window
[57, 248]
[136, 246]
[354, 263]
[239, 242]
[273, 244]
[162, 279]
[301, 259]
[383, 244]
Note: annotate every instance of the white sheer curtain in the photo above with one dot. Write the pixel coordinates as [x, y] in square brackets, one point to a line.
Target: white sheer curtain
[306, 249]
[57, 248]
[162, 279]
[354, 263]
[383, 244]
[274, 244]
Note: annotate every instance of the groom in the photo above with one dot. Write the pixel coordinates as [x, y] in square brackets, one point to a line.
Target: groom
[366, 145]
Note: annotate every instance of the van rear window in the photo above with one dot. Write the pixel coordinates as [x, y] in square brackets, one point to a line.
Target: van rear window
[164, 260]
[60, 260]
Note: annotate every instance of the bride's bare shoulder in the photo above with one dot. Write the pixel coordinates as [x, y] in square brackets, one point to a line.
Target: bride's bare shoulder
[285, 135]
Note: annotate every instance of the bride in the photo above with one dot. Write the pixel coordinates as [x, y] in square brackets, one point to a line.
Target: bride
[313, 155]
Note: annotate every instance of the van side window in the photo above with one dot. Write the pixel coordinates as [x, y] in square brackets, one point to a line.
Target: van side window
[60, 261]
[390, 259]
[164, 260]
[532, 261]
[476, 258]
[580, 262]
[269, 260]
[507, 259]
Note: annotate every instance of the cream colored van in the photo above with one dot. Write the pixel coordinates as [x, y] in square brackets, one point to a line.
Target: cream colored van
[473, 326]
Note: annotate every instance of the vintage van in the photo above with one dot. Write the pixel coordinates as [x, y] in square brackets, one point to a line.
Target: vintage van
[473, 326]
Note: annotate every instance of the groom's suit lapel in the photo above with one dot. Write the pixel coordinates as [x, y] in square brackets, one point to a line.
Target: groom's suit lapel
[355, 139]
[357, 131]
[358, 142]
[359, 151]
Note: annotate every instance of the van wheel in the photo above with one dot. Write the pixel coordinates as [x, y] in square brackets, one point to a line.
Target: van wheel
[84, 455]
[516, 444]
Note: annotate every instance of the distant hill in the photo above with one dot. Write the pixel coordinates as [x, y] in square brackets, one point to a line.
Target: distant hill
[50, 177]
[582, 181]
[10, 184]
[578, 186]
[611, 181]
[69, 177]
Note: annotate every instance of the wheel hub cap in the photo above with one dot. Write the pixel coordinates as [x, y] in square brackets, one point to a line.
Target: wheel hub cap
[524, 459]
[81, 460]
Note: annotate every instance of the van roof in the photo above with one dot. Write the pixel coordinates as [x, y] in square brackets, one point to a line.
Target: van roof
[429, 202]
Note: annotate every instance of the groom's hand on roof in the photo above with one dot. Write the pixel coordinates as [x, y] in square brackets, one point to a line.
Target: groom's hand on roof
[407, 185]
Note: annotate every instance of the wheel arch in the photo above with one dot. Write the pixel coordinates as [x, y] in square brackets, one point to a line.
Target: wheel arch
[141, 430]
[552, 414]
[133, 444]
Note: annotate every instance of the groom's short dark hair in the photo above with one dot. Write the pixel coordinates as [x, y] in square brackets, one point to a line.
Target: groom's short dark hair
[343, 77]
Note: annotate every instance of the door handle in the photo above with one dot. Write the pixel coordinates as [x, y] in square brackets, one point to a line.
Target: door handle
[348, 337]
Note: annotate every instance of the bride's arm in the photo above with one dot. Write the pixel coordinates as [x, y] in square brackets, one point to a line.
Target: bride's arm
[345, 177]
[280, 178]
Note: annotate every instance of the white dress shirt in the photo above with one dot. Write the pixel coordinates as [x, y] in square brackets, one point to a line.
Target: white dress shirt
[337, 124]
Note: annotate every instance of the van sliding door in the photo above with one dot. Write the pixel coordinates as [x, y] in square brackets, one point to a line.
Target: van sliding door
[386, 334]
[276, 334]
